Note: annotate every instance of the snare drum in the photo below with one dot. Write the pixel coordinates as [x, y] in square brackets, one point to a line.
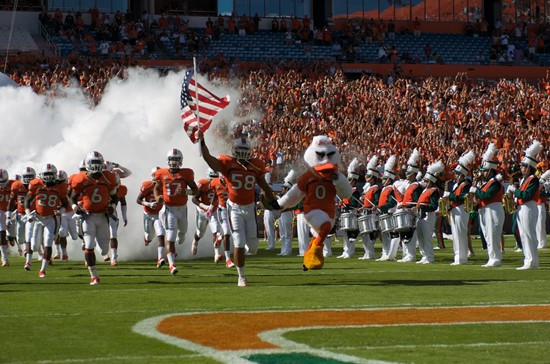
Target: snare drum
[404, 220]
[348, 221]
[368, 223]
[386, 223]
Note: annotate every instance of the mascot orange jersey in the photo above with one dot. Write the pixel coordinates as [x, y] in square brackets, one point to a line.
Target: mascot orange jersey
[147, 191]
[174, 185]
[320, 193]
[47, 198]
[95, 193]
[241, 180]
[207, 194]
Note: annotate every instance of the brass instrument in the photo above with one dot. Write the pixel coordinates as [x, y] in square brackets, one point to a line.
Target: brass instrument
[469, 205]
[444, 206]
[508, 203]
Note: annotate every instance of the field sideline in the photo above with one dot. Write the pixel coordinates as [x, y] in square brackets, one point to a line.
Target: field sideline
[61, 319]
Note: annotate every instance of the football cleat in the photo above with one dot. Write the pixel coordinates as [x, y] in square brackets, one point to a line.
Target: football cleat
[229, 263]
[114, 263]
[194, 247]
[106, 259]
[27, 266]
[160, 262]
[42, 274]
[57, 256]
[5, 263]
[243, 282]
[65, 258]
[217, 258]
[145, 241]
[94, 281]
[173, 270]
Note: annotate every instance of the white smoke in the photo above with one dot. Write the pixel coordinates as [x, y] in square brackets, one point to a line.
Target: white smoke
[136, 123]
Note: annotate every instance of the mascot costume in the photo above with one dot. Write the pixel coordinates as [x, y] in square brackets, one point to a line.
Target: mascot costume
[318, 187]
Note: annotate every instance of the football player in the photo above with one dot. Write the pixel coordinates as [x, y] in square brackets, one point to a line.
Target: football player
[5, 190]
[220, 187]
[97, 188]
[122, 191]
[19, 190]
[67, 224]
[151, 220]
[242, 172]
[207, 214]
[171, 189]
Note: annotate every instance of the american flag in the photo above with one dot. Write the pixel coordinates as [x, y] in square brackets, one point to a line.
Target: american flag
[209, 105]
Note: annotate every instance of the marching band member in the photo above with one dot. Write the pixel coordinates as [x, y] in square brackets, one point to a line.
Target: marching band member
[370, 202]
[491, 213]
[389, 197]
[285, 220]
[527, 195]
[413, 190]
[350, 205]
[544, 192]
[459, 216]
[427, 203]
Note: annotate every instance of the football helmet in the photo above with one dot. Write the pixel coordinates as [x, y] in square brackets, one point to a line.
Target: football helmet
[82, 165]
[49, 173]
[212, 174]
[61, 176]
[241, 149]
[174, 158]
[28, 175]
[18, 177]
[4, 176]
[94, 162]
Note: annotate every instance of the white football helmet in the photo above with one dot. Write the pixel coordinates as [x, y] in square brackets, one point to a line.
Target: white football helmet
[28, 175]
[212, 174]
[241, 149]
[49, 173]
[4, 177]
[174, 158]
[94, 162]
[61, 176]
[82, 165]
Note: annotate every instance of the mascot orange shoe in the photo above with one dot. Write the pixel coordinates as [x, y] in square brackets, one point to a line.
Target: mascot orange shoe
[318, 188]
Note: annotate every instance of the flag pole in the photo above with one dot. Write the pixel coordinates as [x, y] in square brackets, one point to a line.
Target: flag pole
[197, 99]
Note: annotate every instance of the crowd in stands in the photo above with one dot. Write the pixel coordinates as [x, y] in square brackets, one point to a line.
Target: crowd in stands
[284, 104]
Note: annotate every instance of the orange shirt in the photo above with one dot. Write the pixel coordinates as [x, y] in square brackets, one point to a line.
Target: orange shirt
[19, 191]
[47, 198]
[147, 192]
[96, 194]
[5, 192]
[207, 194]
[241, 181]
[174, 186]
[122, 191]
[221, 191]
[320, 193]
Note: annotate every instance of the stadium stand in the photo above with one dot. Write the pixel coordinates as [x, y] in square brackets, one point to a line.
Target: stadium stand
[21, 40]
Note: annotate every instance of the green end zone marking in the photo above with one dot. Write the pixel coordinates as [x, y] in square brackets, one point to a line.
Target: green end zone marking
[291, 358]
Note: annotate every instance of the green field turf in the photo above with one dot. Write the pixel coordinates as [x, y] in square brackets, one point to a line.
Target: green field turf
[63, 319]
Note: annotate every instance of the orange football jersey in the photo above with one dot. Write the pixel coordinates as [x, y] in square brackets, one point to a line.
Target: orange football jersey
[5, 193]
[241, 181]
[96, 194]
[147, 191]
[19, 192]
[320, 193]
[47, 198]
[207, 194]
[221, 191]
[174, 186]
